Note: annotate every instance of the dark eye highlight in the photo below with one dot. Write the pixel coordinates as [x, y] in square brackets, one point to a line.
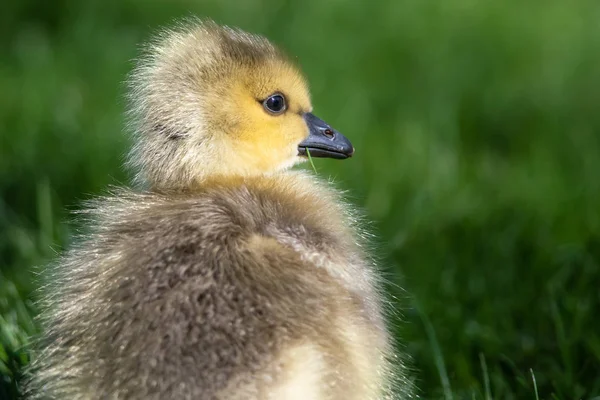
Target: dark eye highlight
[275, 103]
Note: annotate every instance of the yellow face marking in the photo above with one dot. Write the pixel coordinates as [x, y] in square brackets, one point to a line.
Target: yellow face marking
[262, 141]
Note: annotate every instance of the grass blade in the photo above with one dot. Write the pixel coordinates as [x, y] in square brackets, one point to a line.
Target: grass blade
[537, 396]
[437, 354]
[486, 377]
[310, 160]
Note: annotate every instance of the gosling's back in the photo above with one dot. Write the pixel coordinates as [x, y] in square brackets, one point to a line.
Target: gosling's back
[242, 290]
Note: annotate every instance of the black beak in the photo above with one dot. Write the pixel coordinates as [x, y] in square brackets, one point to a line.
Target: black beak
[324, 141]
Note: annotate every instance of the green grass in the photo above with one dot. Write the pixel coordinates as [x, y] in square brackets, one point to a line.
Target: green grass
[477, 156]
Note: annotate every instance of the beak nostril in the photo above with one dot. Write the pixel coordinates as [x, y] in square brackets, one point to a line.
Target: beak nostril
[329, 133]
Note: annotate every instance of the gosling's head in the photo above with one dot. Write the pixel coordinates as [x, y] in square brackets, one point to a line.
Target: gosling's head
[211, 101]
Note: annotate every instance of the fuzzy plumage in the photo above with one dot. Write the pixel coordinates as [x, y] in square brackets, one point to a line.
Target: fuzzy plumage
[223, 280]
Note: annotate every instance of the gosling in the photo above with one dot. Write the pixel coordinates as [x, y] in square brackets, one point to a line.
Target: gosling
[227, 276]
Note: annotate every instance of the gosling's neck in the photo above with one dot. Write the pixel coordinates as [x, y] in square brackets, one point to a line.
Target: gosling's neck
[283, 178]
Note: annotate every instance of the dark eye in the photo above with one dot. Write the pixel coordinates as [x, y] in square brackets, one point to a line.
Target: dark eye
[275, 104]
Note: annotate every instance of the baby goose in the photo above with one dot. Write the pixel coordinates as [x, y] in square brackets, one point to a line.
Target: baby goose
[230, 277]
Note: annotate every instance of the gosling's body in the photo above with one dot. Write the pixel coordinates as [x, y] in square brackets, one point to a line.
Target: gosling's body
[240, 291]
[225, 285]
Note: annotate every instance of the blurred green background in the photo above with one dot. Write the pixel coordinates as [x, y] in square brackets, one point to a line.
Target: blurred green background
[476, 125]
